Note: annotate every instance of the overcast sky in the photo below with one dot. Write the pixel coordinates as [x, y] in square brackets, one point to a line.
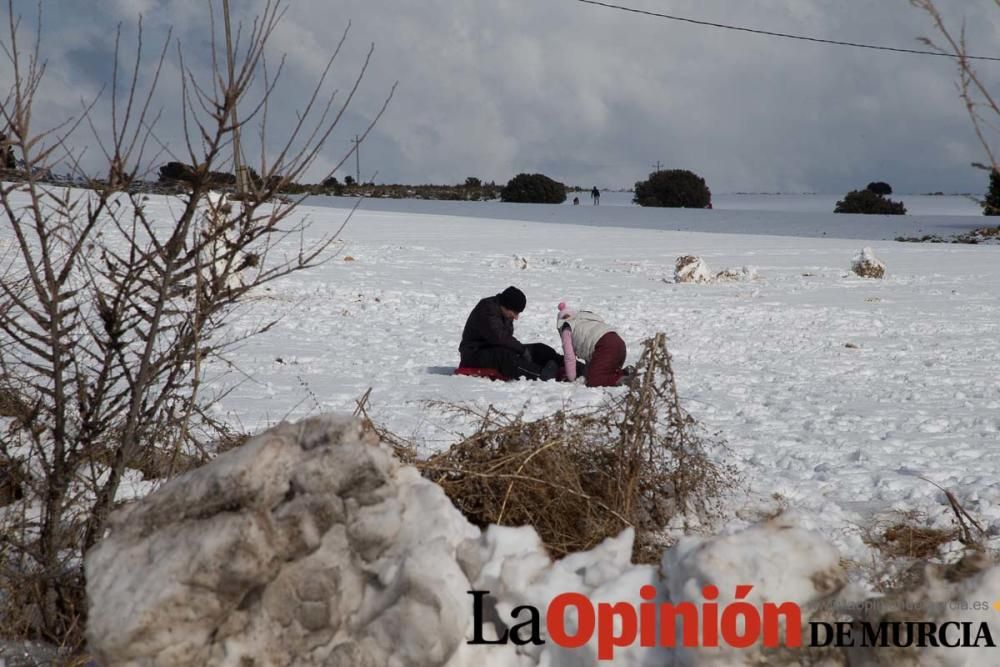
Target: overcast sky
[589, 95]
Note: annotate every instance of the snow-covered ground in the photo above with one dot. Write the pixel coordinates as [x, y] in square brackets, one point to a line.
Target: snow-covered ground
[779, 215]
[916, 205]
[835, 394]
[840, 433]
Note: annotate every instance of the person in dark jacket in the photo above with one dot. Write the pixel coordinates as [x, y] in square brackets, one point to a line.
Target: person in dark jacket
[488, 340]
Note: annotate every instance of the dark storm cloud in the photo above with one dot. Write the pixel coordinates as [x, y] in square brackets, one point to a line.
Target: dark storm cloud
[589, 95]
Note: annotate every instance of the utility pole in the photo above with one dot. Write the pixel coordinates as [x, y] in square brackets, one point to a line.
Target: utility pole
[240, 171]
[658, 165]
[357, 158]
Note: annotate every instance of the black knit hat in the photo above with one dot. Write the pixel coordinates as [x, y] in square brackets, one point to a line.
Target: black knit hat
[513, 299]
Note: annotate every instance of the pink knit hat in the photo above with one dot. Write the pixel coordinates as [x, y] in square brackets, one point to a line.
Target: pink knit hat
[565, 311]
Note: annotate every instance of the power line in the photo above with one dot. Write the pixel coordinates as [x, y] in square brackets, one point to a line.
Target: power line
[239, 170]
[782, 34]
[357, 157]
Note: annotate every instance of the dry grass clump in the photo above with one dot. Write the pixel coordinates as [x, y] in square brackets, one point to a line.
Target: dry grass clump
[580, 477]
[231, 439]
[554, 474]
[869, 271]
[909, 536]
[867, 265]
[902, 544]
[906, 543]
[903, 540]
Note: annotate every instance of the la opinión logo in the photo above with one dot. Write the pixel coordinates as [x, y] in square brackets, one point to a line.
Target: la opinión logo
[572, 620]
[618, 624]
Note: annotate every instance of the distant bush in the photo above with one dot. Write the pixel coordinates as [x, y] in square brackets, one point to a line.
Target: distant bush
[879, 188]
[868, 202]
[473, 182]
[673, 188]
[332, 185]
[533, 189]
[991, 205]
[178, 171]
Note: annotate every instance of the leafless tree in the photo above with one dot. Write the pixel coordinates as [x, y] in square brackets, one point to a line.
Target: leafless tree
[108, 313]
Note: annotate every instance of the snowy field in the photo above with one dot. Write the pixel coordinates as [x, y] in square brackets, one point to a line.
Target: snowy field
[835, 394]
[840, 433]
[779, 215]
[916, 205]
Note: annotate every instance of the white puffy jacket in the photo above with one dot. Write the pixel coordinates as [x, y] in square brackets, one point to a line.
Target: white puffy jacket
[587, 328]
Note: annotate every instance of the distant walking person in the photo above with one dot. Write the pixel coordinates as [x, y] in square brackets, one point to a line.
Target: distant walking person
[595, 194]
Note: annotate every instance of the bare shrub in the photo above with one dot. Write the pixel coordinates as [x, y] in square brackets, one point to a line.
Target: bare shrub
[579, 477]
[109, 315]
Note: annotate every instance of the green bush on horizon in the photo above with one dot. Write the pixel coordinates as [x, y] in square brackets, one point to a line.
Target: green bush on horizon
[867, 202]
[673, 188]
[880, 188]
[533, 189]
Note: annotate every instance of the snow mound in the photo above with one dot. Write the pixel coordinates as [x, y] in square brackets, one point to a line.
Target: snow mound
[312, 545]
[512, 564]
[867, 265]
[742, 274]
[692, 269]
[309, 545]
[780, 561]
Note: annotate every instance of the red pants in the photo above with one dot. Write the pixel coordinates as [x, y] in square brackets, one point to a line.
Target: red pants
[605, 367]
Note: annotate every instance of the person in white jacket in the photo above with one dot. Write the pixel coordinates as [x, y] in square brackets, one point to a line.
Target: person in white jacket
[586, 336]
